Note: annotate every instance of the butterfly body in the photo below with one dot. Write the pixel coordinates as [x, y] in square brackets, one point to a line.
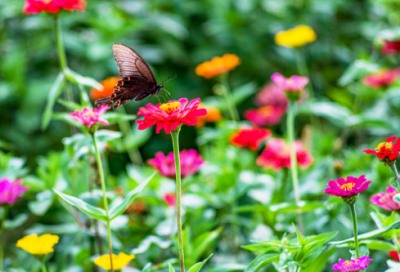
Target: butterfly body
[137, 80]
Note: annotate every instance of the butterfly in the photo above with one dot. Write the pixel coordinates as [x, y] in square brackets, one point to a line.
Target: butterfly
[137, 80]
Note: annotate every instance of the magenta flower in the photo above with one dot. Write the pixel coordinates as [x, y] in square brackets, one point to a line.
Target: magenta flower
[292, 84]
[191, 162]
[272, 95]
[353, 265]
[349, 187]
[170, 199]
[88, 117]
[385, 201]
[383, 78]
[10, 191]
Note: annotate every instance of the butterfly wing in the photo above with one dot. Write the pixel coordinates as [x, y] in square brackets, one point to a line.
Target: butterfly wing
[131, 64]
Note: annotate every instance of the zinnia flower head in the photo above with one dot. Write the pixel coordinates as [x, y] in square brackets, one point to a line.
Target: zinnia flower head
[383, 78]
[108, 88]
[390, 47]
[387, 151]
[170, 199]
[10, 191]
[88, 117]
[293, 86]
[38, 245]
[277, 155]
[53, 6]
[265, 116]
[385, 201]
[271, 94]
[191, 162]
[250, 137]
[395, 255]
[217, 66]
[295, 37]
[118, 262]
[353, 265]
[169, 116]
[348, 188]
[213, 115]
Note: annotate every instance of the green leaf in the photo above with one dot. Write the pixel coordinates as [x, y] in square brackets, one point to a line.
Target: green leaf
[147, 268]
[85, 81]
[357, 70]
[319, 263]
[239, 94]
[16, 222]
[198, 266]
[335, 113]
[90, 210]
[364, 251]
[226, 268]
[304, 206]
[171, 269]
[116, 210]
[69, 104]
[114, 117]
[42, 204]
[262, 261]
[54, 93]
[372, 244]
[204, 242]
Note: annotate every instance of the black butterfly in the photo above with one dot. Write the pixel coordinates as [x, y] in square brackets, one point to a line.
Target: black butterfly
[137, 80]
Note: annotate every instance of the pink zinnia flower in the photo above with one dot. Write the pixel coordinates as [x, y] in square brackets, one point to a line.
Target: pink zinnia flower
[272, 95]
[382, 78]
[53, 6]
[386, 151]
[250, 137]
[349, 187]
[170, 199]
[169, 116]
[88, 117]
[266, 115]
[390, 47]
[190, 160]
[353, 265]
[277, 155]
[10, 191]
[292, 84]
[385, 201]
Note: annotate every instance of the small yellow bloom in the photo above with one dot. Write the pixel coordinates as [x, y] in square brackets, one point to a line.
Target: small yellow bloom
[119, 261]
[295, 37]
[38, 245]
[213, 115]
[217, 65]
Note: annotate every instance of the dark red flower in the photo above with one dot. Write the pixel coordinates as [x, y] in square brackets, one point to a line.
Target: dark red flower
[395, 255]
[250, 137]
[390, 47]
[53, 6]
[386, 151]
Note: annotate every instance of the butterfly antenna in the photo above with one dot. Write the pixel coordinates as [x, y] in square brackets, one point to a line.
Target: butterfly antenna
[168, 79]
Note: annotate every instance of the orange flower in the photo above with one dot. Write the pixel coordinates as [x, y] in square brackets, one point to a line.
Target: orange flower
[213, 115]
[217, 65]
[108, 88]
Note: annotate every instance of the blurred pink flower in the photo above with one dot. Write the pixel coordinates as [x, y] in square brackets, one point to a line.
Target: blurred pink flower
[271, 94]
[292, 84]
[266, 115]
[89, 117]
[10, 191]
[349, 187]
[385, 201]
[170, 199]
[353, 265]
[190, 160]
[277, 155]
[390, 47]
[53, 6]
[382, 78]
[169, 116]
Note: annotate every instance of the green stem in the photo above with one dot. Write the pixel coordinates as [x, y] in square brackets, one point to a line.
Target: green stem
[395, 173]
[62, 58]
[43, 267]
[293, 160]
[354, 218]
[227, 93]
[103, 187]
[303, 70]
[175, 144]
[4, 217]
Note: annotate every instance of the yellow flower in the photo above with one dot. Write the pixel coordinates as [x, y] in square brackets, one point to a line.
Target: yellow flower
[119, 261]
[213, 115]
[38, 245]
[295, 37]
[217, 65]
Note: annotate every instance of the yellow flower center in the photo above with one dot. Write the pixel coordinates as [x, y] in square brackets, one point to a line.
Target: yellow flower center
[348, 263]
[169, 107]
[347, 186]
[385, 145]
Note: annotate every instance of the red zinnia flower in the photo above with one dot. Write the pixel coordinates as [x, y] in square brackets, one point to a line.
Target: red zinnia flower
[171, 115]
[382, 78]
[386, 151]
[266, 115]
[170, 199]
[390, 47]
[395, 255]
[277, 155]
[250, 137]
[53, 6]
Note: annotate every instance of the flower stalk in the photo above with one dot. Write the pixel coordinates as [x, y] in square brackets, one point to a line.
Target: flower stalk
[175, 144]
[395, 173]
[44, 266]
[103, 187]
[303, 70]
[293, 160]
[355, 229]
[4, 217]
[226, 92]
